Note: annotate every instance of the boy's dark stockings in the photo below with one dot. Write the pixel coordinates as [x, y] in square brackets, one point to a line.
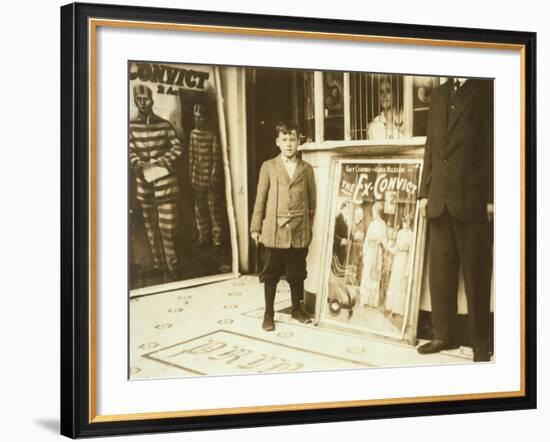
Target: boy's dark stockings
[297, 295]
[270, 289]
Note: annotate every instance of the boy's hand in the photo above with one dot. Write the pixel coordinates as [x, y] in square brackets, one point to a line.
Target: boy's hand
[255, 237]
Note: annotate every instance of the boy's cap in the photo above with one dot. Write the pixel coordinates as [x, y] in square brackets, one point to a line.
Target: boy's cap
[141, 89]
[199, 110]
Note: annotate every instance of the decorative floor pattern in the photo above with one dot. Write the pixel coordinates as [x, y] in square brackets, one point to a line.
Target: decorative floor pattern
[225, 352]
[208, 327]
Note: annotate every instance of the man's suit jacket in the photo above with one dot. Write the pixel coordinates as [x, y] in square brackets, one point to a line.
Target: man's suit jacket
[458, 158]
[284, 207]
[341, 232]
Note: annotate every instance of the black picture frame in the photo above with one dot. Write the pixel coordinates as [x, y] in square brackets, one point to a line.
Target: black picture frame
[77, 404]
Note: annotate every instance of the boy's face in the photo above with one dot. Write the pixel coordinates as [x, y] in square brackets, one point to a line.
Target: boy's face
[288, 144]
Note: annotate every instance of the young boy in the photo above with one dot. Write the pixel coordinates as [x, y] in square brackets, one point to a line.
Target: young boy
[282, 221]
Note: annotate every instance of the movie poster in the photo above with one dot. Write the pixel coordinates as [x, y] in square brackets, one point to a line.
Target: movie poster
[372, 239]
[181, 217]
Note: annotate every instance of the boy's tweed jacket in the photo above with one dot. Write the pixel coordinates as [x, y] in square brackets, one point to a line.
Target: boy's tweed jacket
[284, 207]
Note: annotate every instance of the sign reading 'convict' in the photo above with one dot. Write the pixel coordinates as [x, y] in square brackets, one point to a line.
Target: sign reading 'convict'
[170, 78]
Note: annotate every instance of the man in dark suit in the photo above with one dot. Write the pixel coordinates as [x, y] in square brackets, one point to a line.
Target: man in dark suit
[456, 195]
[341, 233]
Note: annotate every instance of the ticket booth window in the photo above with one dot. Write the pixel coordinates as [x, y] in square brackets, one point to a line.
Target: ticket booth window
[352, 106]
[376, 106]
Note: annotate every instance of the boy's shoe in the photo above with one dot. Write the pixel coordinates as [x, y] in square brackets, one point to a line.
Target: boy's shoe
[268, 324]
[299, 315]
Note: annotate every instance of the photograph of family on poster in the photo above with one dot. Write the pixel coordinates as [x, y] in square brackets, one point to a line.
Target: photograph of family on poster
[374, 229]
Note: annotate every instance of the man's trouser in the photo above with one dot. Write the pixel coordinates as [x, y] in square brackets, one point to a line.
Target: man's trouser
[160, 224]
[208, 215]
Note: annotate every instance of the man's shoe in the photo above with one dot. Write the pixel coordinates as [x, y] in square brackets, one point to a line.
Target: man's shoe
[299, 315]
[481, 355]
[268, 324]
[436, 346]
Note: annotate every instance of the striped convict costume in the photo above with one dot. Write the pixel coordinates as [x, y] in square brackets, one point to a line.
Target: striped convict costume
[206, 175]
[153, 140]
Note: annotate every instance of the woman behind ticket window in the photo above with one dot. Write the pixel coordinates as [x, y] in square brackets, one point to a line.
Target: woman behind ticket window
[389, 124]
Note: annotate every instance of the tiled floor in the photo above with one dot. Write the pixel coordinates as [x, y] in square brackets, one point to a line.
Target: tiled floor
[216, 329]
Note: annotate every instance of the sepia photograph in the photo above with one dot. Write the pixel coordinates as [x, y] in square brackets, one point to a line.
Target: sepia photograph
[274, 220]
[286, 220]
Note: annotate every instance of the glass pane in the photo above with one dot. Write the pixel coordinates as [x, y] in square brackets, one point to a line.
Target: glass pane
[304, 93]
[179, 228]
[333, 97]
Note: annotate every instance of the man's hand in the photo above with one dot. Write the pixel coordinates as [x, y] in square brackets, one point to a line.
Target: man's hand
[343, 242]
[490, 211]
[423, 205]
[255, 237]
[161, 162]
[138, 167]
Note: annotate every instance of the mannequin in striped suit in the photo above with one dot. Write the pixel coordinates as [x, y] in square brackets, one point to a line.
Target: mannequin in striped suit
[153, 142]
[206, 175]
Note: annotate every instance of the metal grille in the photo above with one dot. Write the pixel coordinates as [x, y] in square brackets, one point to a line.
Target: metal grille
[376, 106]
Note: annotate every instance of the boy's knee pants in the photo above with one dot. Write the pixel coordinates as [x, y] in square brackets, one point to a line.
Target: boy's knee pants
[288, 262]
